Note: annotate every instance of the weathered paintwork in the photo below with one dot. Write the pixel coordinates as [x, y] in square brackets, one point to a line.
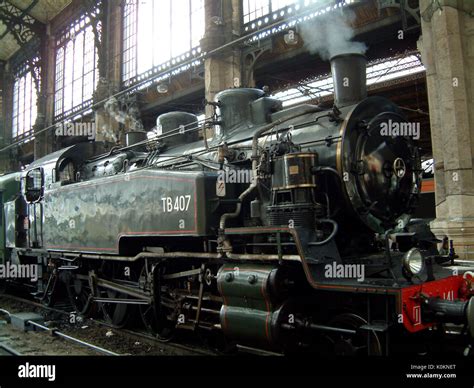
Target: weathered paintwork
[250, 304]
[76, 153]
[9, 191]
[11, 226]
[93, 216]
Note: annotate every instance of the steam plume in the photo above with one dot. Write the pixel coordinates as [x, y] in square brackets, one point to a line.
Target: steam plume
[330, 34]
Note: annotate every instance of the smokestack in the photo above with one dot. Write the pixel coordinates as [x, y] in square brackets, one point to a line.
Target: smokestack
[349, 77]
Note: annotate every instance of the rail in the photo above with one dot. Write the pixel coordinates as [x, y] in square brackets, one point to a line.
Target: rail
[72, 339]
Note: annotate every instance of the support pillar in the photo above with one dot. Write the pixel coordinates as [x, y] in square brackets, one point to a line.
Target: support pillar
[107, 127]
[45, 141]
[223, 70]
[4, 156]
[447, 47]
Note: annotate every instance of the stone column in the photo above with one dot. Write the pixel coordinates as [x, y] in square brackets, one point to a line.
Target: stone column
[2, 116]
[447, 47]
[222, 70]
[107, 127]
[4, 160]
[45, 141]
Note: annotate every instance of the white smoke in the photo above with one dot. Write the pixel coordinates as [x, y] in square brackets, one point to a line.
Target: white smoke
[331, 35]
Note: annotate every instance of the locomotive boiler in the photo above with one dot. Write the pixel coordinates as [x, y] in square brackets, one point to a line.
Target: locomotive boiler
[287, 229]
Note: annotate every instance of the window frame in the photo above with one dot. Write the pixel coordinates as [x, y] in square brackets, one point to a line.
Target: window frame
[130, 72]
[28, 72]
[65, 78]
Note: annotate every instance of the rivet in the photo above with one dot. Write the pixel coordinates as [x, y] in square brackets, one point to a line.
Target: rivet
[252, 279]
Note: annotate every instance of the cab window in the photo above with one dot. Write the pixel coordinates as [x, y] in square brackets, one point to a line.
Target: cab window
[34, 185]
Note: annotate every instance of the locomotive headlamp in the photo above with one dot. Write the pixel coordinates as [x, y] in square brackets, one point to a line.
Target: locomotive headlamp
[413, 262]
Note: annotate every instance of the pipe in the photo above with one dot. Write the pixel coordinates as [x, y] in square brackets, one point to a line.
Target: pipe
[319, 169]
[314, 326]
[331, 236]
[255, 155]
[238, 256]
[254, 182]
[150, 255]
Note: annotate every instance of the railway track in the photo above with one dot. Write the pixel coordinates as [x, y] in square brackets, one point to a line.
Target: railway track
[144, 338]
[174, 348]
[6, 350]
[9, 349]
[148, 337]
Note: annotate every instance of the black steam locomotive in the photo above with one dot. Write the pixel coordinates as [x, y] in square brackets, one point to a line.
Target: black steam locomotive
[289, 229]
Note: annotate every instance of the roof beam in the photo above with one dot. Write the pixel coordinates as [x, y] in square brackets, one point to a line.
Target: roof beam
[18, 22]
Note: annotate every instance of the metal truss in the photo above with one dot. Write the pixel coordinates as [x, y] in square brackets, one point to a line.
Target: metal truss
[383, 72]
[405, 10]
[19, 23]
[27, 32]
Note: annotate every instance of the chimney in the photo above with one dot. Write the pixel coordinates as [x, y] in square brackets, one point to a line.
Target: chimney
[349, 77]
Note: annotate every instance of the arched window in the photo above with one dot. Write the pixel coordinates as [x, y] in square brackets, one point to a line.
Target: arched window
[25, 91]
[76, 67]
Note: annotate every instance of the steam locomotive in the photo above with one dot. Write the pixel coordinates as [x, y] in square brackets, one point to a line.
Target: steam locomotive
[289, 229]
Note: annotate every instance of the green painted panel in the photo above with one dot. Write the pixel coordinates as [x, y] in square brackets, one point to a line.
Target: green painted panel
[9, 191]
[93, 216]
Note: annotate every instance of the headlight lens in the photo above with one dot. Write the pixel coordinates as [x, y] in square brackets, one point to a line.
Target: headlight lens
[413, 262]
